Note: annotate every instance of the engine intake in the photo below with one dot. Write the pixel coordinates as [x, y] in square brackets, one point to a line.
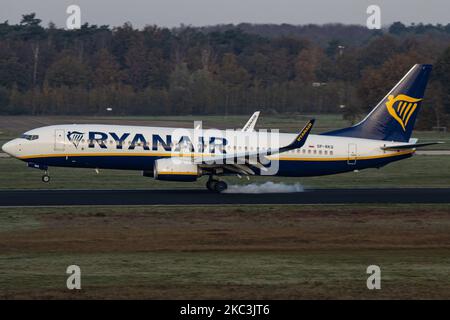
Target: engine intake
[175, 170]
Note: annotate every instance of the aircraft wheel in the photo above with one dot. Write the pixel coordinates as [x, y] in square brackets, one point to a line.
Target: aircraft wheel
[220, 186]
[45, 178]
[210, 184]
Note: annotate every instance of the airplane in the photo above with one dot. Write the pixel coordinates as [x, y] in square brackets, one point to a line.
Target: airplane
[181, 154]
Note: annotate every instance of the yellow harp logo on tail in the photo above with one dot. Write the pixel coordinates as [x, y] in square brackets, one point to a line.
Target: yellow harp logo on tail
[401, 108]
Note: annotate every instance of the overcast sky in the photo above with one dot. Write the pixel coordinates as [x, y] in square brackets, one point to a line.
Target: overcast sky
[172, 13]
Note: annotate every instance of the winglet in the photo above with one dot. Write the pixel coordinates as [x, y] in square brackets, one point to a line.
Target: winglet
[301, 138]
[250, 125]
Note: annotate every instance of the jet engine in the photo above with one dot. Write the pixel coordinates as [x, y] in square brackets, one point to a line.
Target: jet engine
[175, 169]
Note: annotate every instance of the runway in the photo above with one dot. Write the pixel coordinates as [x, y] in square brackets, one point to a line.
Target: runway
[204, 197]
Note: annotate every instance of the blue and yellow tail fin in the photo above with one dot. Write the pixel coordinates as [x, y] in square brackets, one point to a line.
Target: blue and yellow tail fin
[394, 116]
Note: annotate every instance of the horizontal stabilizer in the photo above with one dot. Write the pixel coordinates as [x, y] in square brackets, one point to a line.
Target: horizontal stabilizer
[410, 145]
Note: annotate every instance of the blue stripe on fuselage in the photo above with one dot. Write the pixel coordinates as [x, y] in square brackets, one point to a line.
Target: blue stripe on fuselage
[287, 168]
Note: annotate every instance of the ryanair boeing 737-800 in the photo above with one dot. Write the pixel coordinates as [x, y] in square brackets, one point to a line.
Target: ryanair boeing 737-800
[176, 154]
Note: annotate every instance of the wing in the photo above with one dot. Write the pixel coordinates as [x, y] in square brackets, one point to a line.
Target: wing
[237, 160]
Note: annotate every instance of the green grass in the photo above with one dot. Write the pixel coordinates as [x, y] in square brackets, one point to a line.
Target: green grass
[415, 271]
[321, 274]
[419, 171]
[17, 219]
[27, 218]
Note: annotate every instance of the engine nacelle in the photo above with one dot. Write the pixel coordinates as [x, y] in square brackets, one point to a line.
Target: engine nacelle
[175, 170]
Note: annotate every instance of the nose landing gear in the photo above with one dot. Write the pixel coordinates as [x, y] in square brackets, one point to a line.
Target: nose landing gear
[46, 177]
[216, 185]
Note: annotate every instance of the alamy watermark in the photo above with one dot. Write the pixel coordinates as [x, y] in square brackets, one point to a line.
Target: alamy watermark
[74, 19]
[227, 147]
[374, 19]
[74, 279]
[374, 280]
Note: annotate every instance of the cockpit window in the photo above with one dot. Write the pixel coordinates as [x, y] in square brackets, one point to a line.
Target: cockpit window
[30, 136]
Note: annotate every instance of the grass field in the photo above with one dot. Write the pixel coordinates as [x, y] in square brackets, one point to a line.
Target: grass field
[226, 252]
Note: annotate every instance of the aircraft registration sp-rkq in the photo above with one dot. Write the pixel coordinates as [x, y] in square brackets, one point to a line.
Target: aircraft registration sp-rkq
[175, 154]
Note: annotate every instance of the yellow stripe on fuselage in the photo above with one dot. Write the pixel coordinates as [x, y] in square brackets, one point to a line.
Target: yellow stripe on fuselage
[346, 158]
[103, 154]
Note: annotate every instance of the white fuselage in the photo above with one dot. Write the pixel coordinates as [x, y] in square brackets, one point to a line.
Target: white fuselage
[137, 147]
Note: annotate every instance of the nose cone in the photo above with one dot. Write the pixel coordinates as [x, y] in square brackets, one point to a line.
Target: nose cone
[10, 148]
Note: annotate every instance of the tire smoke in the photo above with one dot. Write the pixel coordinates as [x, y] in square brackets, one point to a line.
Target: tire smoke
[267, 187]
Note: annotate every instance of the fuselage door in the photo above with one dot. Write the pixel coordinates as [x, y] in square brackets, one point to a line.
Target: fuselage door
[59, 139]
[351, 154]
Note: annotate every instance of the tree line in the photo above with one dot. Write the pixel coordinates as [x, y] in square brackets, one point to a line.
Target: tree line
[226, 69]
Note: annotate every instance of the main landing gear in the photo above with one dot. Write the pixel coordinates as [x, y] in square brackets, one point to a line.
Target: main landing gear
[46, 177]
[216, 185]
